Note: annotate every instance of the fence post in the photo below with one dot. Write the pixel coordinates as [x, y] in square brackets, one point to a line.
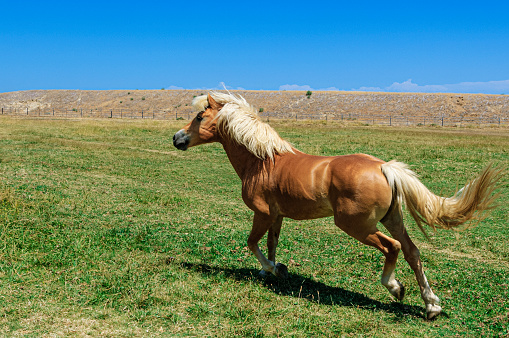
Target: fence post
[27, 110]
[442, 120]
[390, 120]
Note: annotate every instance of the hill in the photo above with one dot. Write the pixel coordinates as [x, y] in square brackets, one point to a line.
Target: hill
[283, 104]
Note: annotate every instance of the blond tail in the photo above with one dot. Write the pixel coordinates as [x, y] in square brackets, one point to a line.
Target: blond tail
[468, 204]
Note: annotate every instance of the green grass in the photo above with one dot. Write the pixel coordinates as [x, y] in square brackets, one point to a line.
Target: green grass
[106, 230]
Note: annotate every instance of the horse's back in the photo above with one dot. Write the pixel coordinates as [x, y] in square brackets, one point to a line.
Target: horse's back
[307, 186]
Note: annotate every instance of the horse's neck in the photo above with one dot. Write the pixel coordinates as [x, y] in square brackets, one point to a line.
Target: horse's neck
[244, 162]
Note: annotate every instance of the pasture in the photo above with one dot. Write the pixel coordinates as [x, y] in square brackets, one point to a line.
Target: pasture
[107, 230]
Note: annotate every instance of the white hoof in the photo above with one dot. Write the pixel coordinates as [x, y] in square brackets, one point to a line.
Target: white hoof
[432, 311]
[397, 290]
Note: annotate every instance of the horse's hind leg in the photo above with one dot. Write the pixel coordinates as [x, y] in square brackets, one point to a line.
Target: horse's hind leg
[370, 235]
[262, 223]
[390, 248]
[394, 223]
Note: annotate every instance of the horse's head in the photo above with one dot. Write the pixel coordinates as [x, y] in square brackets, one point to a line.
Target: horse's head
[202, 129]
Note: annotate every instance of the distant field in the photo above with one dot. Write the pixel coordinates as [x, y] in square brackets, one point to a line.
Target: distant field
[106, 230]
[451, 108]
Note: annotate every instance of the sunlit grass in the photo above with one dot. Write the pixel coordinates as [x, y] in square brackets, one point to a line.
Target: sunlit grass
[105, 229]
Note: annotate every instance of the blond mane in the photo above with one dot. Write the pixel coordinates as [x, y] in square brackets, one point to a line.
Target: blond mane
[239, 121]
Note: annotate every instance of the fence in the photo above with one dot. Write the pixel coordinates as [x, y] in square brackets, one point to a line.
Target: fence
[98, 113]
[369, 119]
[390, 120]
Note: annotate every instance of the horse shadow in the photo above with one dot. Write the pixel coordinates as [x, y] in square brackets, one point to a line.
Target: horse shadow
[314, 291]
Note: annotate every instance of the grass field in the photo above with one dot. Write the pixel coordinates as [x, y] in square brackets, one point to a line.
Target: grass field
[106, 230]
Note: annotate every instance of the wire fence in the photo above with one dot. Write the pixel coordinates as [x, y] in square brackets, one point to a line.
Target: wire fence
[398, 120]
[367, 119]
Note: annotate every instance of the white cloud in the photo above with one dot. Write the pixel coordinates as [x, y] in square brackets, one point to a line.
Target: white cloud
[490, 87]
[222, 86]
[295, 87]
[409, 86]
[305, 88]
[368, 89]
[174, 88]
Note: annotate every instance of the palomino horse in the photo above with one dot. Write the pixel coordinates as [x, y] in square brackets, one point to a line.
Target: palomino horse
[358, 190]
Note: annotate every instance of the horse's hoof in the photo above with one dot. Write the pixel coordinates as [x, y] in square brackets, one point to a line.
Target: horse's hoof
[400, 292]
[432, 311]
[281, 271]
[397, 290]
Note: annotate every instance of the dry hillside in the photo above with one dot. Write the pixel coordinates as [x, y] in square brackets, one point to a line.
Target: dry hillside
[279, 103]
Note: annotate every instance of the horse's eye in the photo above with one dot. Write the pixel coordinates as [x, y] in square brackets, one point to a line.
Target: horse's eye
[199, 118]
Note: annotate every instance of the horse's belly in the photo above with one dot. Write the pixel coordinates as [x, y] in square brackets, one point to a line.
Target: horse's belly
[305, 209]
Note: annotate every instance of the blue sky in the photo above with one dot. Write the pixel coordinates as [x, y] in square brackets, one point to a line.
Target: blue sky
[427, 46]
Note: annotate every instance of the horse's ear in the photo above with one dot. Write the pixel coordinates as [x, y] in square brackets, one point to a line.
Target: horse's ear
[212, 103]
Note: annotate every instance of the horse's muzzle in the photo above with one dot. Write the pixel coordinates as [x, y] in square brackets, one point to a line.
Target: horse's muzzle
[181, 140]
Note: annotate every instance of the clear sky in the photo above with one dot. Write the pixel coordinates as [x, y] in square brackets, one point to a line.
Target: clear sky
[427, 46]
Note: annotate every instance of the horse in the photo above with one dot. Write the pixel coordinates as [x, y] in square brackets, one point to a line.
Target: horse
[358, 190]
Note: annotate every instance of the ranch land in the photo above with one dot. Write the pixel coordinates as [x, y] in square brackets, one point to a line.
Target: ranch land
[365, 107]
[107, 230]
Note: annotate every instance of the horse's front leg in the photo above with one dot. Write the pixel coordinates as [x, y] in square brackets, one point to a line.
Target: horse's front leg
[262, 223]
[273, 238]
